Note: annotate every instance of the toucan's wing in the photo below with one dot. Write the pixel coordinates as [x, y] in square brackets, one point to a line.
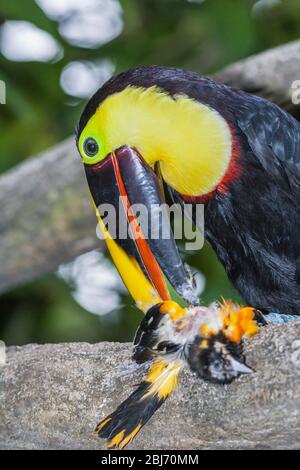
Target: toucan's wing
[274, 138]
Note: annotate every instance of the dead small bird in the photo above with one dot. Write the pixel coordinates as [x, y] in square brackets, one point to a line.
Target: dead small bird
[206, 339]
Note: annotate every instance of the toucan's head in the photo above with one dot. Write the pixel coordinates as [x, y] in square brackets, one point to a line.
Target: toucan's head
[148, 124]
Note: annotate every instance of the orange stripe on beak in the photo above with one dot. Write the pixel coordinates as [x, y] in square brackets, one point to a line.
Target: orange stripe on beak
[151, 266]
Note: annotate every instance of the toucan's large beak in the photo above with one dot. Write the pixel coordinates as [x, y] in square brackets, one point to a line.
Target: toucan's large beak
[123, 180]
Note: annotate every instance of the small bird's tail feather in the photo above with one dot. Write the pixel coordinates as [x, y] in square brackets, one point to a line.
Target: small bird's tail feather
[121, 426]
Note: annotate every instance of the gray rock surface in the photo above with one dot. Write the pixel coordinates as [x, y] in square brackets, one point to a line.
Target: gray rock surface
[53, 395]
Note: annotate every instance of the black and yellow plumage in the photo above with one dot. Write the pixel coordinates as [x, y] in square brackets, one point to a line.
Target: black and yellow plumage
[237, 153]
[207, 340]
[157, 134]
[120, 427]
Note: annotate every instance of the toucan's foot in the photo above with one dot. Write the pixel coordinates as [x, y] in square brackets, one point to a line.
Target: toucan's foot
[264, 317]
[278, 318]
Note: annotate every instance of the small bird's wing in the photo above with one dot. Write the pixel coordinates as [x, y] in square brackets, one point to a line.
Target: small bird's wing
[146, 339]
[149, 342]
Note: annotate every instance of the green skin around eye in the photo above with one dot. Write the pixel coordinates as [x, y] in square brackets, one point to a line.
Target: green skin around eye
[102, 152]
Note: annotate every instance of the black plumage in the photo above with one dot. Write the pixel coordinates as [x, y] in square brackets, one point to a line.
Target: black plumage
[254, 226]
[147, 342]
[212, 362]
[146, 338]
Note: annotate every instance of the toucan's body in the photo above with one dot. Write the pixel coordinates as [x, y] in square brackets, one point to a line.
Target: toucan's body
[153, 130]
[252, 210]
[253, 225]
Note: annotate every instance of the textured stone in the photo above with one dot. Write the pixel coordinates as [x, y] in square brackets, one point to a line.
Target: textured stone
[53, 395]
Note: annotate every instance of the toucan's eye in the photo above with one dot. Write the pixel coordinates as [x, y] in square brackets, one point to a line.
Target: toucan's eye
[90, 147]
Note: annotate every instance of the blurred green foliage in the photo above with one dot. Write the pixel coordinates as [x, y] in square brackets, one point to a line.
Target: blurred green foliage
[198, 35]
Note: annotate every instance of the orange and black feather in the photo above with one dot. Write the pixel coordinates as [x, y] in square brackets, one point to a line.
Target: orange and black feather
[121, 426]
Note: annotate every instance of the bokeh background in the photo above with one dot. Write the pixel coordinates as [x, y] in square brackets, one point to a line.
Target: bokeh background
[53, 55]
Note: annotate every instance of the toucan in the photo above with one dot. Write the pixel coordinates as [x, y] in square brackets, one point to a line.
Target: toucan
[155, 134]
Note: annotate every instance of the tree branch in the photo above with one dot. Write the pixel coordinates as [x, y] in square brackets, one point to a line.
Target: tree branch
[269, 74]
[46, 214]
[52, 396]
